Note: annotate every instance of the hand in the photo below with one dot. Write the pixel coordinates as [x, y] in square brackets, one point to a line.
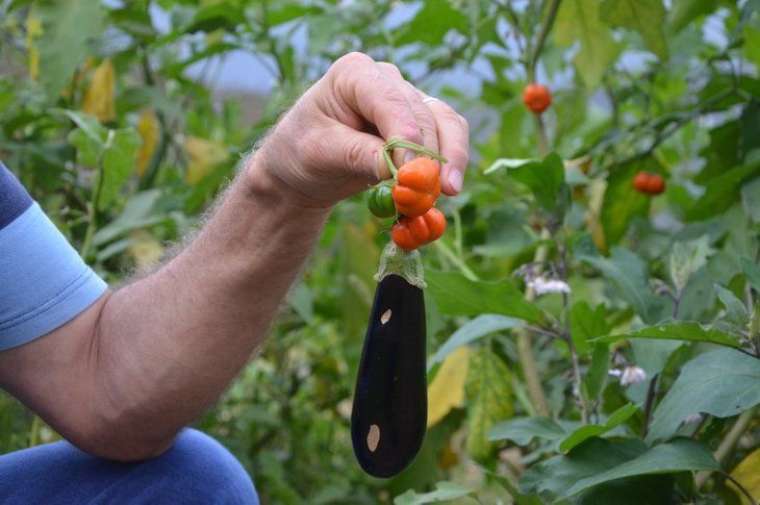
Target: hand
[327, 147]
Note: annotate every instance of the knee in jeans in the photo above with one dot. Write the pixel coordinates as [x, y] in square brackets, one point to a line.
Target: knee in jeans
[208, 470]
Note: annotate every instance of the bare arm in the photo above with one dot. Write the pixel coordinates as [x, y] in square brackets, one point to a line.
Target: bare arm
[125, 375]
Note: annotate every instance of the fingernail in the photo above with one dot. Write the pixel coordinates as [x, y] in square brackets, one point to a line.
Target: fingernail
[409, 156]
[455, 180]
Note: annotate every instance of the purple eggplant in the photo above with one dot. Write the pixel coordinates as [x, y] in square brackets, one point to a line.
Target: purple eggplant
[389, 413]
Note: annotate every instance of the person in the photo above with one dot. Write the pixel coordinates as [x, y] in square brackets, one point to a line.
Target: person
[119, 373]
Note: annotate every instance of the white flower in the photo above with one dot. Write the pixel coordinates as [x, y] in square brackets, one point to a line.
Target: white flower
[693, 418]
[632, 375]
[542, 286]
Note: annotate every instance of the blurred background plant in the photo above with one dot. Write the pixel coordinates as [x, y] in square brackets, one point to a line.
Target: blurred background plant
[621, 320]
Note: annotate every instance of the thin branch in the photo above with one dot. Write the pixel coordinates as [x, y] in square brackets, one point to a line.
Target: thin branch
[545, 30]
[727, 444]
[649, 404]
[741, 488]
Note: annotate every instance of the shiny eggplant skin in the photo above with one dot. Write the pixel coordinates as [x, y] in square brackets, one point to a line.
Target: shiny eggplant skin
[389, 413]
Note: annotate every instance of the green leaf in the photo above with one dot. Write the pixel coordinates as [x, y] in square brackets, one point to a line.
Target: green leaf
[688, 331]
[752, 272]
[456, 295]
[471, 331]
[722, 192]
[444, 491]
[489, 399]
[586, 324]
[686, 258]
[645, 16]
[578, 20]
[721, 383]
[432, 23]
[522, 430]
[628, 274]
[68, 26]
[680, 455]
[556, 475]
[595, 378]
[736, 312]
[751, 197]
[621, 204]
[119, 159]
[684, 12]
[216, 16]
[583, 433]
[545, 178]
[137, 213]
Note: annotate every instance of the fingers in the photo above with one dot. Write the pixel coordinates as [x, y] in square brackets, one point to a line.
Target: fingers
[356, 152]
[422, 114]
[454, 139]
[360, 84]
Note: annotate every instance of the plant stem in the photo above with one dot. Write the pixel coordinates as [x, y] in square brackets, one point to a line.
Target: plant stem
[456, 260]
[525, 346]
[545, 30]
[543, 137]
[34, 431]
[727, 444]
[741, 488]
[92, 206]
[651, 393]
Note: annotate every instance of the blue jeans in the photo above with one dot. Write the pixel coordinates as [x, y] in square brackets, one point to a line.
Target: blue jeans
[196, 470]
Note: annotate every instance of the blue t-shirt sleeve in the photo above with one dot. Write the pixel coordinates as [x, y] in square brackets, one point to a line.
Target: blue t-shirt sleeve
[43, 281]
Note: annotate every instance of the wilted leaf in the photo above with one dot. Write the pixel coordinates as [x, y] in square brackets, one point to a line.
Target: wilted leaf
[33, 32]
[472, 330]
[99, 98]
[721, 383]
[447, 389]
[489, 399]
[145, 249]
[204, 156]
[149, 130]
[748, 475]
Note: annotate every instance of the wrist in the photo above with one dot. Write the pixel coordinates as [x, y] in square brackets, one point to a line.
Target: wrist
[261, 181]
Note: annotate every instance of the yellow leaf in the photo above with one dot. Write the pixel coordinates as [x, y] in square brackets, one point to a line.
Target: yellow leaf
[149, 130]
[747, 473]
[33, 32]
[145, 249]
[99, 98]
[204, 156]
[447, 389]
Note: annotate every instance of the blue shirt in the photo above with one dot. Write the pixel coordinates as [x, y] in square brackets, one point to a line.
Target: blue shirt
[43, 281]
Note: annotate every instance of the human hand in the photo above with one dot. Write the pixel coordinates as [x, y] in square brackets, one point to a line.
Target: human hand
[327, 146]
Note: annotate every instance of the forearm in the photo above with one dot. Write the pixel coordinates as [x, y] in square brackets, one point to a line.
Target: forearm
[170, 343]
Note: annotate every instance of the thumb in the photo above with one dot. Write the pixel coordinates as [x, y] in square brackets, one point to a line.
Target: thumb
[357, 154]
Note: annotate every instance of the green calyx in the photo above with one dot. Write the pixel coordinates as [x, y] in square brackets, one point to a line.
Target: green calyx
[380, 201]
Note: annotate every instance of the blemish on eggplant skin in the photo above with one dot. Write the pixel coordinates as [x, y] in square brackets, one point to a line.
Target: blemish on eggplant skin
[373, 437]
[386, 316]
